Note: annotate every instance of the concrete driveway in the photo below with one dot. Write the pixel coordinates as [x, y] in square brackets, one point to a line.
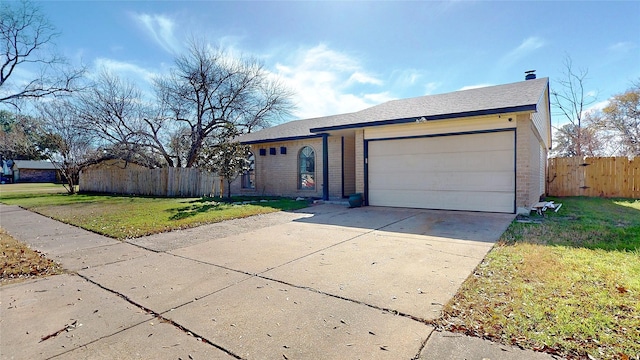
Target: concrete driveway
[325, 282]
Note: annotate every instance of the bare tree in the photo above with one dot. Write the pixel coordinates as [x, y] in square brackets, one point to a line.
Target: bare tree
[73, 147]
[591, 143]
[571, 102]
[208, 90]
[25, 39]
[621, 118]
[113, 111]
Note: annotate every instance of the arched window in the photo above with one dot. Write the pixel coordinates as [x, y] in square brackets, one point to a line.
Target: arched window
[307, 169]
[249, 176]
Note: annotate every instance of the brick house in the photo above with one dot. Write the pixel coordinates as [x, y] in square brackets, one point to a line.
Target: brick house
[34, 171]
[482, 149]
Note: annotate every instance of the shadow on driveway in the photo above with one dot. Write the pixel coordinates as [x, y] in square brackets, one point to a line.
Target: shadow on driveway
[461, 225]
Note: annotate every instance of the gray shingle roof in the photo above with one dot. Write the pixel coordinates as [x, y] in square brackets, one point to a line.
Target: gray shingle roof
[289, 130]
[519, 96]
[33, 164]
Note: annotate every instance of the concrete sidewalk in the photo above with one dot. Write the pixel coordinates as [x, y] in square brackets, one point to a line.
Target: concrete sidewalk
[322, 283]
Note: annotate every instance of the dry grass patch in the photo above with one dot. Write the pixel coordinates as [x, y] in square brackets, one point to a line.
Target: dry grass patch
[19, 262]
[540, 289]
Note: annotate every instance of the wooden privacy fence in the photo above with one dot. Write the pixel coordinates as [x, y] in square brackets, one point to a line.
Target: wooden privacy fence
[595, 176]
[170, 182]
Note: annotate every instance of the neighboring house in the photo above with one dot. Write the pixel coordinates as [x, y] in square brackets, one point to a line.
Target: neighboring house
[482, 149]
[34, 171]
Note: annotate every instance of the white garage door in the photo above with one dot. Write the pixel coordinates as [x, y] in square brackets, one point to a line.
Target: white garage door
[460, 172]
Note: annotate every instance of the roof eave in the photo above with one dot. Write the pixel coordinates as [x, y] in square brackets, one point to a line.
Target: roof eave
[511, 109]
[289, 138]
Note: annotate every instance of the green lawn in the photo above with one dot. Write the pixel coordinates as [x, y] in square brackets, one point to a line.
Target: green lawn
[568, 285]
[129, 216]
[28, 189]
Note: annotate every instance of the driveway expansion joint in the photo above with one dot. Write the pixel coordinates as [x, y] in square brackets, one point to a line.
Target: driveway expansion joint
[128, 241]
[423, 345]
[96, 340]
[387, 310]
[162, 318]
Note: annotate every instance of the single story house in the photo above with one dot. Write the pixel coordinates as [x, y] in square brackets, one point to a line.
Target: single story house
[34, 171]
[483, 149]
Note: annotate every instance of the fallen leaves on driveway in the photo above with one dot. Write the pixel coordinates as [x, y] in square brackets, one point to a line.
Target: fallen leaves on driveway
[18, 261]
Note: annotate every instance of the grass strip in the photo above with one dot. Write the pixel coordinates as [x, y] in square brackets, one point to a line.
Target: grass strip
[566, 284]
[124, 217]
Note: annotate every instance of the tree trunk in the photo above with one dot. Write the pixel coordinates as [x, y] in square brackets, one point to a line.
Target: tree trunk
[71, 187]
[194, 151]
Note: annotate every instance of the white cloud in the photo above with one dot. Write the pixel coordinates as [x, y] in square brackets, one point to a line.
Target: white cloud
[622, 46]
[597, 106]
[141, 77]
[525, 48]
[477, 86]
[362, 78]
[160, 28]
[431, 87]
[379, 98]
[125, 70]
[327, 82]
[406, 78]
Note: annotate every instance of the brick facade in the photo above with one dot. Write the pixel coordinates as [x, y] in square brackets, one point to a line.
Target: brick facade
[531, 164]
[36, 175]
[277, 175]
[335, 167]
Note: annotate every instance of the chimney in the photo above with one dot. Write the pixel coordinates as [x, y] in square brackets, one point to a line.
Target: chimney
[530, 75]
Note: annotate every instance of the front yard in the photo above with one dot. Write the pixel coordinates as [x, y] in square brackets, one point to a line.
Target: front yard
[124, 217]
[566, 284]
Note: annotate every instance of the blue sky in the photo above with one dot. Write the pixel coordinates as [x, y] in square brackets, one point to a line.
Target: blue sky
[345, 56]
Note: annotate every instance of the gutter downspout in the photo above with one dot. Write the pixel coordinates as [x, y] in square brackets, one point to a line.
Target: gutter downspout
[325, 166]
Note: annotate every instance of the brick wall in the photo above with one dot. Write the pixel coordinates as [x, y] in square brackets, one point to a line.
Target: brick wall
[349, 165]
[277, 175]
[335, 167]
[530, 162]
[37, 175]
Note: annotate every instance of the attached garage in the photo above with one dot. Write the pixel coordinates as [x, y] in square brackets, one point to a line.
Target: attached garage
[473, 172]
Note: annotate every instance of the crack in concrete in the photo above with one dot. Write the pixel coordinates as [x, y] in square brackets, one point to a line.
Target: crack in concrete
[161, 318]
[96, 340]
[144, 247]
[423, 345]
